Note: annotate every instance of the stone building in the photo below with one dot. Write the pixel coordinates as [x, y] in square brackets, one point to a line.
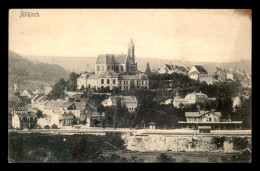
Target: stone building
[112, 69]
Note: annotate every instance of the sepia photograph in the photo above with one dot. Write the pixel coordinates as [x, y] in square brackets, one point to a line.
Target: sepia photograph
[129, 85]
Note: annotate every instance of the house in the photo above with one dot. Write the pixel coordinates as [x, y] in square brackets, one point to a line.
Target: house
[197, 71]
[208, 118]
[59, 106]
[129, 102]
[27, 93]
[47, 90]
[236, 102]
[19, 108]
[168, 101]
[67, 119]
[115, 70]
[24, 120]
[208, 79]
[151, 125]
[82, 80]
[190, 98]
[169, 69]
[78, 109]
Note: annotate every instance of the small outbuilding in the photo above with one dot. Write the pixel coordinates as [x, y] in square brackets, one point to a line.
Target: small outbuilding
[152, 125]
[204, 129]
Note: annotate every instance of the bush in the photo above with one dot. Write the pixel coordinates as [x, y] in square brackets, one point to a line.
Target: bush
[164, 158]
[218, 141]
[213, 160]
[46, 127]
[240, 143]
[184, 160]
[54, 126]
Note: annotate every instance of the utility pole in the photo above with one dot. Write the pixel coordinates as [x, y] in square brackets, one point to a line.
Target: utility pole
[177, 143]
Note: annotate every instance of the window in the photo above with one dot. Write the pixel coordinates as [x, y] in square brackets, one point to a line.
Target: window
[108, 81]
[209, 119]
[114, 81]
[112, 67]
[119, 82]
[98, 68]
[117, 68]
[102, 81]
[108, 67]
[122, 68]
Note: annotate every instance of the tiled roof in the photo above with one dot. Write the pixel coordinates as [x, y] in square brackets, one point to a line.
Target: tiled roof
[52, 105]
[111, 59]
[124, 99]
[93, 77]
[110, 73]
[197, 114]
[200, 69]
[129, 99]
[80, 105]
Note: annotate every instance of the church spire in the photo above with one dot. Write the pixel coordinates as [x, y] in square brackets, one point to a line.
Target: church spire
[148, 70]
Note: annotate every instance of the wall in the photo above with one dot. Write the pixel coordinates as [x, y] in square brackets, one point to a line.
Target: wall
[175, 143]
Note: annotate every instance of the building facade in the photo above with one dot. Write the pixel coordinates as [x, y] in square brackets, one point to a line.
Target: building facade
[115, 70]
[191, 98]
[197, 71]
[210, 119]
[129, 102]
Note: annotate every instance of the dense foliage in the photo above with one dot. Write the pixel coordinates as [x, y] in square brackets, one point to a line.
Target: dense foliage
[164, 158]
[21, 69]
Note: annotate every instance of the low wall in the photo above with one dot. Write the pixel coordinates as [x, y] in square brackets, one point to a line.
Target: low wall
[175, 143]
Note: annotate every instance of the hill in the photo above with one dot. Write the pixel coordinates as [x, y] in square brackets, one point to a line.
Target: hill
[28, 74]
[81, 64]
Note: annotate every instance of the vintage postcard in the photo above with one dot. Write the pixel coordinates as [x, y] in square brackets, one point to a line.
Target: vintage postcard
[130, 86]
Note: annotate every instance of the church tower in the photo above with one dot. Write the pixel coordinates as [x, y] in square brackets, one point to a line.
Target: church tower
[131, 51]
[132, 65]
[148, 70]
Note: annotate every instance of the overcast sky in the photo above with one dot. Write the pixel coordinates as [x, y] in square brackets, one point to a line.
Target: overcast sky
[207, 35]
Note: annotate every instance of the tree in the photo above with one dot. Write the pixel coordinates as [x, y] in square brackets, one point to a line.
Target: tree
[72, 86]
[39, 114]
[82, 88]
[100, 109]
[54, 126]
[58, 89]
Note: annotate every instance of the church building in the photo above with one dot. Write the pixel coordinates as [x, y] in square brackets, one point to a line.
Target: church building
[115, 70]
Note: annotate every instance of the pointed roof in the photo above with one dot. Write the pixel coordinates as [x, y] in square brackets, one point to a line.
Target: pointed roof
[200, 69]
[111, 59]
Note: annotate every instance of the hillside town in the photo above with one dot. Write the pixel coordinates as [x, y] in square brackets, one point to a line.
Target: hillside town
[113, 97]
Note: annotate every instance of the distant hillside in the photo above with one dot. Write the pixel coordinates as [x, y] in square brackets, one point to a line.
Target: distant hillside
[81, 64]
[24, 72]
[72, 64]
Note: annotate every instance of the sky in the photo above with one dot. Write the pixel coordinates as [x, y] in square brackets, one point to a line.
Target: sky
[197, 35]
